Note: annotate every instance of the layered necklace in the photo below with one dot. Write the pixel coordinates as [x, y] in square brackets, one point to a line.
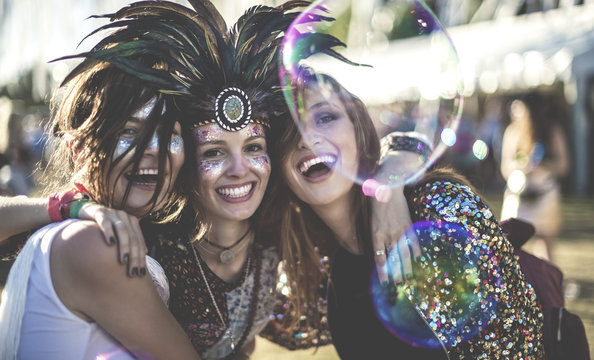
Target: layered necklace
[253, 304]
[226, 256]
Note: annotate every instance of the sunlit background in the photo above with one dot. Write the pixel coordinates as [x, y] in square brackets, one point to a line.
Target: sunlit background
[506, 48]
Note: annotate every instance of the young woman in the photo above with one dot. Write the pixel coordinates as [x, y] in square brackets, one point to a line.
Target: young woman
[221, 276]
[534, 159]
[323, 213]
[120, 142]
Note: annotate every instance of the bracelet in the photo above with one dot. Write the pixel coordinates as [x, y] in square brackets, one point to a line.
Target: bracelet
[60, 205]
[57, 207]
[76, 206]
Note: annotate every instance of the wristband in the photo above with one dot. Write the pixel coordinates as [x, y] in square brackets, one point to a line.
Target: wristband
[76, 206]
[59, 205]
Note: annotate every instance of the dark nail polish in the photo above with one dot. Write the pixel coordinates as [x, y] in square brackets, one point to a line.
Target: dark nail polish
[142, 271]
[112, 240]
[134, 271]
[125, 258]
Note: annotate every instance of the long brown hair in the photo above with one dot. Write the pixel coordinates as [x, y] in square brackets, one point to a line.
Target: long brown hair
[304, 238]
[89, 113]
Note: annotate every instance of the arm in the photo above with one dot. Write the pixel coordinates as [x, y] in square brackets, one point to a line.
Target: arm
[20, 214]
[94, 287]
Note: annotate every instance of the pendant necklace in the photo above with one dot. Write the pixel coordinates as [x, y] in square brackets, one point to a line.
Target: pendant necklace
[227, 256]
[212, 298]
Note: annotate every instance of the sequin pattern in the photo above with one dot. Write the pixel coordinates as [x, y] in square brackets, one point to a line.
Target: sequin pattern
[515, 329]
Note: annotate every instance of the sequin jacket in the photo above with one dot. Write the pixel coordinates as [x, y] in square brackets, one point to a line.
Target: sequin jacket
[515, 329]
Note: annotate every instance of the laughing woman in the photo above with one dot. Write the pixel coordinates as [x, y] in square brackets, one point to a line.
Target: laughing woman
[322, 213]
[120, 142]
[225, 80]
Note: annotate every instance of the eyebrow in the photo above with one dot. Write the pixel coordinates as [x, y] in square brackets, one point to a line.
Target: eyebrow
[134, 119]
[222, 142]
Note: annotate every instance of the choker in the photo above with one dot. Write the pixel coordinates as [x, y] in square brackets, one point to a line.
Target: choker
[226, 256]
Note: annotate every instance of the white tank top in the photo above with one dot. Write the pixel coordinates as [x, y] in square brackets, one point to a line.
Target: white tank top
[49, 329]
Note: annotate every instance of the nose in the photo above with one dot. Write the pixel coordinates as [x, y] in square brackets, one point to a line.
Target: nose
[238, 166]
[309, 139]
[153, 144]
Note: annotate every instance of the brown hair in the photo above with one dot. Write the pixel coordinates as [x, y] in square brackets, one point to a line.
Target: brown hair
[304, 237]
[88, 115]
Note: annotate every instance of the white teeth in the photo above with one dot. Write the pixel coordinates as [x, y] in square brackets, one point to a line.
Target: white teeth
[148, 172]
[326, 159]
[235, 192]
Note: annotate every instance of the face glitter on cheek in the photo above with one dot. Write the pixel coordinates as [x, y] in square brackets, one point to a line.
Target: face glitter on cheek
[176, 145]
[261, 164]
[124, 143]
[211, 168]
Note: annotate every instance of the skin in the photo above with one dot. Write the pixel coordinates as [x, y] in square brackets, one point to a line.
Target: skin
[327, 130]
[234, 171]
[90, 286]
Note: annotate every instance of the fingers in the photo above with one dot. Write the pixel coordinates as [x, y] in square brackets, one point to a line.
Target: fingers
[121, 228]
[138, 250]
[402, 258]
[380, 256]
[99, 214]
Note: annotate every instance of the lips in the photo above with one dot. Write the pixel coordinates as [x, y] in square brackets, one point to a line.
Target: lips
[143, 178]
[316, 167]
[236, 193]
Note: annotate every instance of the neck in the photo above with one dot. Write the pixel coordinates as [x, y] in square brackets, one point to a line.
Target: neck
[338, 216]
[226, 233]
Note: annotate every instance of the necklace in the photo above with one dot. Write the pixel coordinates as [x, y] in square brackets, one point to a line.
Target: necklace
[247, 271]
[227, 256]
[253, 301]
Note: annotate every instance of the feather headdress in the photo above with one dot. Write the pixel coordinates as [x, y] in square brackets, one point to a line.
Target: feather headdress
[220, 74]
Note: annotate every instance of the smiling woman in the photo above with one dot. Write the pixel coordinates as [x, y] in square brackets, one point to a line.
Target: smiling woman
[114, 140]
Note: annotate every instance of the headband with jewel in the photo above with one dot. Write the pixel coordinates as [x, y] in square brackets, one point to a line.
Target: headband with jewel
[220, 74]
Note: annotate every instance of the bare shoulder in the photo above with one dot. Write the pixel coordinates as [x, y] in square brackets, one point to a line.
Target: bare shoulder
[80, 248]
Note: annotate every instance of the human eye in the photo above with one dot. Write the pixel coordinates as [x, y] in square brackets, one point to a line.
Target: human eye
[254, 148]
[129, 132]
[212, 153]
[325, 118]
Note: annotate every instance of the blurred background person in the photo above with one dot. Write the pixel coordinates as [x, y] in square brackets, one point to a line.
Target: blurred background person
[534, 159]
[15, 163]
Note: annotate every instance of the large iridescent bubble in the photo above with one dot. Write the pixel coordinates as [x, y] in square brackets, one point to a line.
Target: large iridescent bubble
[399, 62]
[447, 296]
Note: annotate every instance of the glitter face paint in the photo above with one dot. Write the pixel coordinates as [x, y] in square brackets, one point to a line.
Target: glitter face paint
[234, 170]
[176, 144]
[125, 141]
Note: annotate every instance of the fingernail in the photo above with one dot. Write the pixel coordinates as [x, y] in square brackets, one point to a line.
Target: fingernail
[125, 258]
[112, 240]
[134, 271]
[142, 271]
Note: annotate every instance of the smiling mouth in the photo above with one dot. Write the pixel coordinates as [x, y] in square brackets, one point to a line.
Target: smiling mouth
[235, 192]
[144, 177]
[316, 166]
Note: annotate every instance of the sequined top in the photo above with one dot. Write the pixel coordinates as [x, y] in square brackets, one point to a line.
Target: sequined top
[515, 328]
[192, 306]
